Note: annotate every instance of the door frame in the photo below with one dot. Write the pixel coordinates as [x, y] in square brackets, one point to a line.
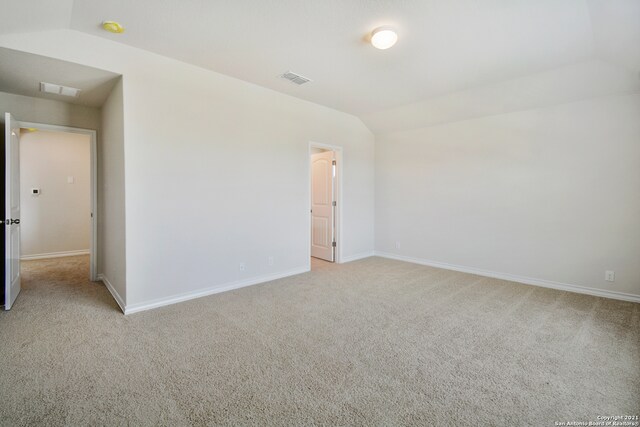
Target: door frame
[93, 246]
[338, 196]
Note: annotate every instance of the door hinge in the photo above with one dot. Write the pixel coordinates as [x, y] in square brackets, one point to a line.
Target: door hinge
[333, 162]
[334, 203]
[333, 244]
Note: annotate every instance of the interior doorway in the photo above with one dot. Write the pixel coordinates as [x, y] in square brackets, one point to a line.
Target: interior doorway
[75, 175]
[324, 183]
[54, 186]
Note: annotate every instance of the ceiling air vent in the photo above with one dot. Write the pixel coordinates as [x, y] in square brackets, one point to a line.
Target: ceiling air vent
[295, 78]
[59, 90]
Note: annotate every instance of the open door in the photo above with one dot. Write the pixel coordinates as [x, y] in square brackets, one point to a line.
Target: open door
[323, 205]
[12, 211]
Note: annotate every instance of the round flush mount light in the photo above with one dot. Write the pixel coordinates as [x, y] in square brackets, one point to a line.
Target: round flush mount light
[383, 37]
[113, 27]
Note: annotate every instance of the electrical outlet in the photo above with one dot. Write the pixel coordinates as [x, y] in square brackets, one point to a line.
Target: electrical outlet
[270, 260]
[397, 245]
[610, 276]
[242, 267]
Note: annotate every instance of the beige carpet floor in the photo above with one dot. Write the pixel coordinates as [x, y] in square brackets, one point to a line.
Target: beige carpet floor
[372, 342]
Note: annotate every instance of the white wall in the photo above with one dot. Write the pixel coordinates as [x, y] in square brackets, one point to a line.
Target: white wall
[57, 220]
[216, 171]
[217, 174]
[28, 109]
[551, 193]
[111, 208]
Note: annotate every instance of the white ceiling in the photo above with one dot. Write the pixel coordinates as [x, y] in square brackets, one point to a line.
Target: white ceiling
[463, 49]
[21, 73]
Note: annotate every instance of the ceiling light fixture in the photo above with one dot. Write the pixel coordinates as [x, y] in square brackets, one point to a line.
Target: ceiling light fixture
[383, 37]
[112, 27]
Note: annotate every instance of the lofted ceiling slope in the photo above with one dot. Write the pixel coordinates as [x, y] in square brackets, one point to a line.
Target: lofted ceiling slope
[454, 59]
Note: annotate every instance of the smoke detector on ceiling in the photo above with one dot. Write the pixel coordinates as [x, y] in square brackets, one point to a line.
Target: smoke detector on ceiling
[59, 90]
[295, 78]
[113, 27]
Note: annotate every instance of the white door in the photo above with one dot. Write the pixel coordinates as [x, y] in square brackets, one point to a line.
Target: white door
[322, 205]
[12, 211]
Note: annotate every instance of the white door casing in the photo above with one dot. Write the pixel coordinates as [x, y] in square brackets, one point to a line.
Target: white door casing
[322, 205]
[12, 210]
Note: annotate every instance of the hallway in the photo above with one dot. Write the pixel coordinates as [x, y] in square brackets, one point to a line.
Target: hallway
[57, 283]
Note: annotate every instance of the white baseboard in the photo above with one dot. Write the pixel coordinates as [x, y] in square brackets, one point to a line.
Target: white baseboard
[114, 293]
[135, 308]
[356, 257]
[514, 278]
[55, 255]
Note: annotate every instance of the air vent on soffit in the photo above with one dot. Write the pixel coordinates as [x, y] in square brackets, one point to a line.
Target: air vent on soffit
[59, 90]
[295, 78]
